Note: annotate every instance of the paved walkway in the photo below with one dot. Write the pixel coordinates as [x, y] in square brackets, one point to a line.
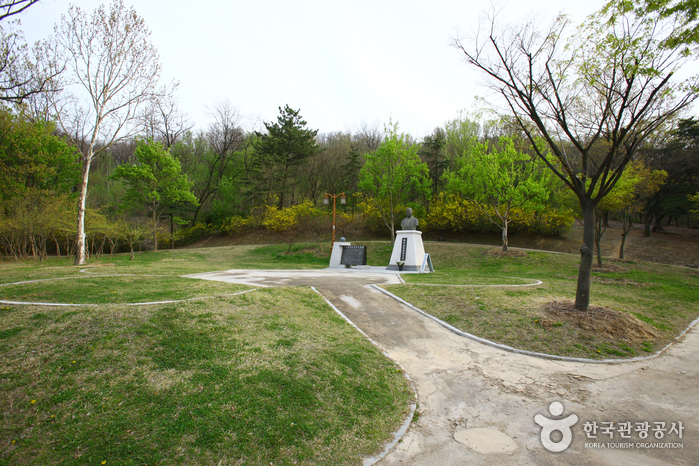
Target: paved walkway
[477, 403]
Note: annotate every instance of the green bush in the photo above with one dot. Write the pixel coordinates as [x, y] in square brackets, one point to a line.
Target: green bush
[193, 234]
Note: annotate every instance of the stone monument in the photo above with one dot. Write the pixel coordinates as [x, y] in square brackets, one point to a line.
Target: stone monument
[408, 248]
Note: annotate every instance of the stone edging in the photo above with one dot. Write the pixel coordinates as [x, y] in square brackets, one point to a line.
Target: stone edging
[147, 303]
[533, 353]
[397, 435]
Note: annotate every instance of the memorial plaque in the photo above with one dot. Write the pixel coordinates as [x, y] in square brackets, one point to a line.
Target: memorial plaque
[353, 255]
[403, 249]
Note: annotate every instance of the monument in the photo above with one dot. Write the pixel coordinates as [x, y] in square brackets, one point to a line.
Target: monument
[345, 255]
[408, 249]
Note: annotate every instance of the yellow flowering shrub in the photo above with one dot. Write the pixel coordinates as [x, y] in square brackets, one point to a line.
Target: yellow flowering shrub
[449, 212]
[280, 220]
[234, 225]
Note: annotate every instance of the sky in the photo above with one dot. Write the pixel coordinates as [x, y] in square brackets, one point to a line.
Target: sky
[342, 63]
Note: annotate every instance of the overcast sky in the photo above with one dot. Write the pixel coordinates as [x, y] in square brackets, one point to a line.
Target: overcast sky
[341, 62]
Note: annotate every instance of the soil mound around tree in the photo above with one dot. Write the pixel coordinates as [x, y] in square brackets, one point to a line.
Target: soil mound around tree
[618, 325]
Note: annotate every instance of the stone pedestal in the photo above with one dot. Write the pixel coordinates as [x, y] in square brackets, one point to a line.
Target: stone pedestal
[336, 255]
[408, 248]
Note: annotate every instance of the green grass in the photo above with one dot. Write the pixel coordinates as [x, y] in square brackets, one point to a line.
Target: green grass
[661, 298]
[109, 289]
[272, 376]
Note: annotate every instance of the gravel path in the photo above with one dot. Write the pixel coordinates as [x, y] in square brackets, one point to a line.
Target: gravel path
[477, 403]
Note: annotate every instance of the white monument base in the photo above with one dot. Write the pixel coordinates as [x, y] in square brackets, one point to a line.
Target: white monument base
[336, 255]
[408, 248]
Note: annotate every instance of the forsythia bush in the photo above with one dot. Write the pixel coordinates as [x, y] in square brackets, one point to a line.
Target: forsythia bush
[234, 225]
[450, 212]
[275, 219]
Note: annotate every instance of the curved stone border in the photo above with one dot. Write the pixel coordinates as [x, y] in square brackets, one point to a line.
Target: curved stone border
[532, 353]
[397, 435]
[146, 303]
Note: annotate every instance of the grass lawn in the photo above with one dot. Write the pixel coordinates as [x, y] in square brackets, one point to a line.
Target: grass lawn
[637, 307]
[272, 376]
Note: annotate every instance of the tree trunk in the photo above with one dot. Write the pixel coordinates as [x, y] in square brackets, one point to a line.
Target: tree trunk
[155, 232]
[582, 295]
[626, 225]
[58, 247]
[658, 224]
[646, 225]
[80, 247]
[504, 237]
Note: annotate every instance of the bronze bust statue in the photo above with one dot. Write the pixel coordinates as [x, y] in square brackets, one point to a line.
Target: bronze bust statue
[409, 222]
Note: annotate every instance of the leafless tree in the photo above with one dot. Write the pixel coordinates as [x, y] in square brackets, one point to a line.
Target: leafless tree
[587, 103]
[368, 137]
[113, 70]
[163, 121]
[23, 72]
[225, 136]
[12, 8]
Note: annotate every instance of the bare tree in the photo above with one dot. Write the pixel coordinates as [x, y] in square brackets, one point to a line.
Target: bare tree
[23, 72]
[590, 101]
[224, 136]
[12, 8]
[114, 70]
[368, 137]
[163, 121]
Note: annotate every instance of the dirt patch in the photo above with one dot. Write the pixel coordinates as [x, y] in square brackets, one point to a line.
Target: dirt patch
[618, 325]
[499, 253]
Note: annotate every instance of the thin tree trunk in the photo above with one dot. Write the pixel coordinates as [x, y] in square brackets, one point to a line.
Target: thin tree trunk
[504, 237]
[58, 247]
[582, 295]
[80, 248]
[646, 225]
[626, 224]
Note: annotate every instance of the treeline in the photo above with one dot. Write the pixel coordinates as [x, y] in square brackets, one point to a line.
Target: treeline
[173, 186]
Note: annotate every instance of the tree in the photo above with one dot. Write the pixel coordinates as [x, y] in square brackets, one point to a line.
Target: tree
[114, 70]
[33, 159]
[23, 73]
[500, 179]
[283, 148]
[677, 154]
[393, 175]
[648, 183]
[461, 137]
[684, 12]
[590, 102]
[154, 181]
[432, 153]
[224, 138]
[695, 200]
[163, 121]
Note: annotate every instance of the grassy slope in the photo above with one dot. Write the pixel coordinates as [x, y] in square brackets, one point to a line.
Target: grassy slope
[272, 376]
[662, 298]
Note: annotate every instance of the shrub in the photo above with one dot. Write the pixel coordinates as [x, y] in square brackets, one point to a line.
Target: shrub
[453, 213]
[281, 220]
[193, 234]
[234, 225]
